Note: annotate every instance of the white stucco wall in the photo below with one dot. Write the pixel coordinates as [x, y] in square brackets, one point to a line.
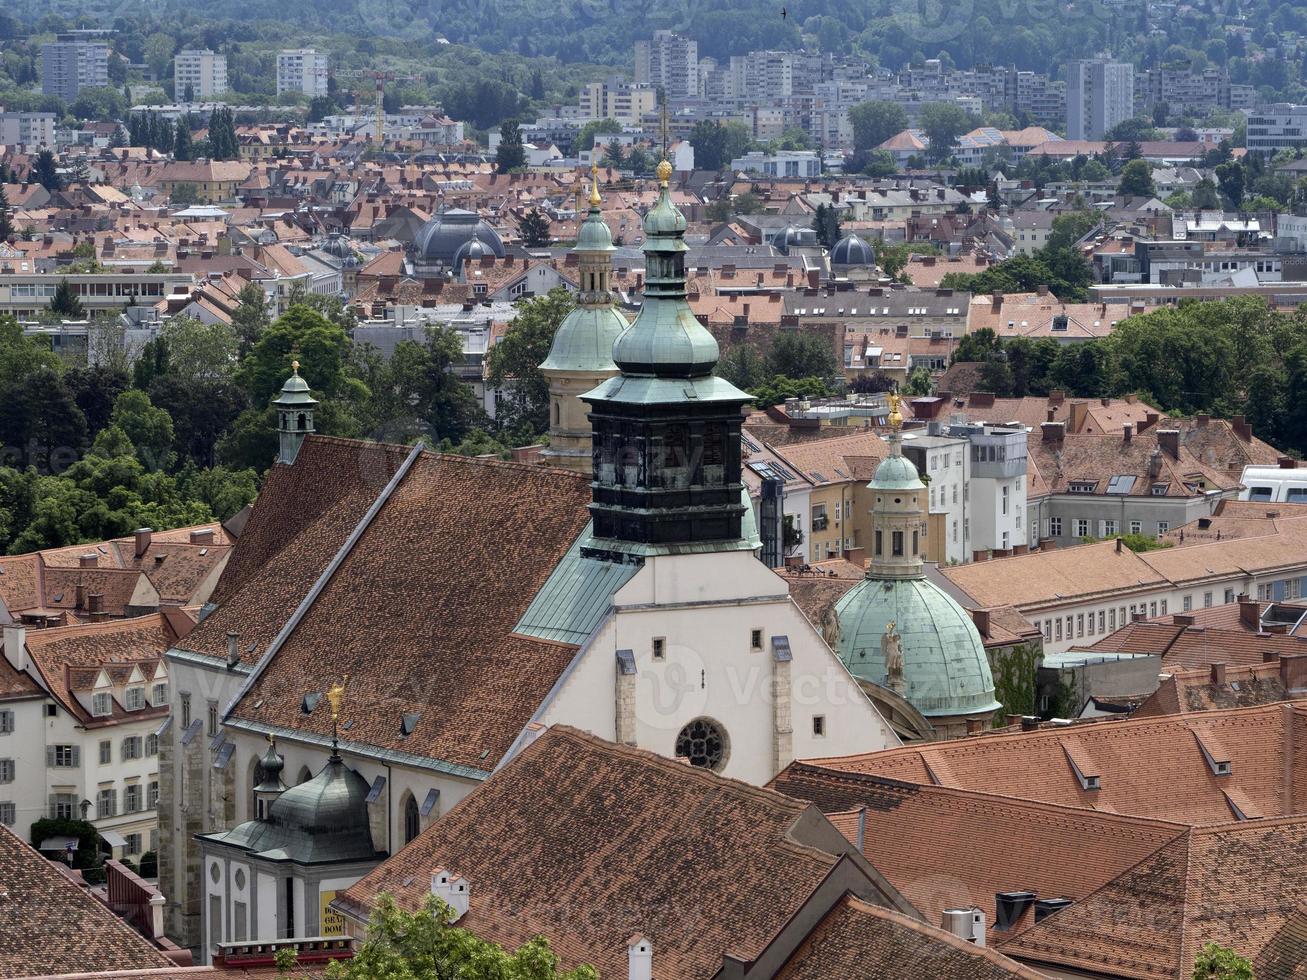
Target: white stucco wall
[705, 607]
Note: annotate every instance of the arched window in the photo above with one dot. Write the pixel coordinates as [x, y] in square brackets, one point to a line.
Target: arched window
[558, 413]
[303, 422]
[412, 820]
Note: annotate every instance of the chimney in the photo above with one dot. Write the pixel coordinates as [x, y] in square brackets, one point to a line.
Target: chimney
[1180, 619]
[1052, 433]
[1119, 546]
[1029, 723]
[1056, 397]
[1128, 432]
[1287, 463]
[1154, 463]
[1293, 671]
[639, 958]
[451, 889]
[1250, 613]
[16, 647]
[1051, 415]
[79, 600]
[814, 278]
[202, 536]
[1009, 907]
[233, 649]
[981, 618]
[1169, 441]
[143, 536]
[975, 726]
[95, 602]
[1012, 721]
[1041, 290]
[1218, 674]
[1241, 428]
[966, 924]
[88, 560]
[1204, 419]
[1079, 415]
[1138, 617]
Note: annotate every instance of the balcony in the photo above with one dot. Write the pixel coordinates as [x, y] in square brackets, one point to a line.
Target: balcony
[820, 523]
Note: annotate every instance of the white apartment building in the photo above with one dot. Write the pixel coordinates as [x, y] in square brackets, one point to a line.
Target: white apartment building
[198, 75]
[26, 128]
[670, 62]
[1099, 94]
[302, 71]
[82, 742]
[944, 463]
[1272, 128]
[616, 98]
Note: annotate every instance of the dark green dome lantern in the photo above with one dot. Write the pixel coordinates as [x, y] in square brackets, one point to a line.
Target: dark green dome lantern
[666, 431]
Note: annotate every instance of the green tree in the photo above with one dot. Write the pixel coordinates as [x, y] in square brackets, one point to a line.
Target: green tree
[148, 428]
[880, 163]
[303, 334]
[250, 318]
[183, 147]
[1070, 227]
[514, 362]
[1137, 180]
[424, 945]
[801, 354]
[742, 367]
[1230, 178]
[614, 154]
[7, 232]
[65, 303]
[417, 392]
[1216, 962]
[98, 103]
[184, 195]
[826, 222]
[46, 173]
[717, 144]
[534, 229]
[873, 123]
[511, 154]
[919, 382]
[1136, 130]
[1204, 196]
[943, 123]
[40, 420]
[585, 137]
[199, 351]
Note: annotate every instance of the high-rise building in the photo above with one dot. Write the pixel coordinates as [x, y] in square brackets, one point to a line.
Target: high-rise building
[302, 71]
[71, 63]
[202, 74]
[1099, 94]
[669, 62]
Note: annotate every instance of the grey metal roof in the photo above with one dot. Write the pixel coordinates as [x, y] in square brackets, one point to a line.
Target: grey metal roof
[575, 598]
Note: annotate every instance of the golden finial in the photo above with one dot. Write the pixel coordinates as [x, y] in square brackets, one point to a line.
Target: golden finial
[295, 368]
[895, 416]
[336, 696]
[664, 173]
[594, 184]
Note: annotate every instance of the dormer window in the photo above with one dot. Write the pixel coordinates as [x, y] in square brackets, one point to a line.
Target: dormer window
[135, 699]
[1159, 489]
[1081, 486]
[102, 705]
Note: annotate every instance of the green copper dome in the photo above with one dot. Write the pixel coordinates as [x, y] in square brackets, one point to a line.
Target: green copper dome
[896, 473]
[594, 235]
[945, 669]
[296, 390]
[584, 340]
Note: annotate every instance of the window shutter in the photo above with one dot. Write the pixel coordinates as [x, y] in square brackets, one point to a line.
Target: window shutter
[54, 803]
[77, 756]
[1277, 590]
[49, 759]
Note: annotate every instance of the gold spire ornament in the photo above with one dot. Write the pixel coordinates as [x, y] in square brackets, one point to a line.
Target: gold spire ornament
[664, 172]
[295, 368]
[336, 697]
[594, 184]
[895, 416]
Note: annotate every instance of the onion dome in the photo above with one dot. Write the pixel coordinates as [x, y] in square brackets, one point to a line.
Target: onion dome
[441, 237]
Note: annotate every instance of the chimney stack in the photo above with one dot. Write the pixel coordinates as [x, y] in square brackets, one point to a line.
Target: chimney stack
[1293, 671]
[1155, 463]
[966, 924]
[451, 889]
[1128, 432]
[1169, 441]
[1029, 723]
[1250, 613]
[975, 726]
[639, 958]
[1218, 674]
[88, 560]
[16, 647]
[233, 649]
[981, 618]
[143, 536]
[1052, 433]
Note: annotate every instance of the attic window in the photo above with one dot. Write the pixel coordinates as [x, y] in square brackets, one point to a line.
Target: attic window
[1081, 486]
[1120, 484]
[408, 723]
[310, 702]
[1159, 489]
[1060, 322]
[101, 705]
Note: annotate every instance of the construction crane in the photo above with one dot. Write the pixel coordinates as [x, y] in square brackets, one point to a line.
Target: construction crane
[380, 78]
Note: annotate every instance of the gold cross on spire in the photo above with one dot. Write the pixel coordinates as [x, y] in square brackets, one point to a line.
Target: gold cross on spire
[594, 183]
[295, 367]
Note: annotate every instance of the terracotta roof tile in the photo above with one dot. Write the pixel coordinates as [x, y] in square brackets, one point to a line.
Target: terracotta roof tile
[587, 843]
[51, 925]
